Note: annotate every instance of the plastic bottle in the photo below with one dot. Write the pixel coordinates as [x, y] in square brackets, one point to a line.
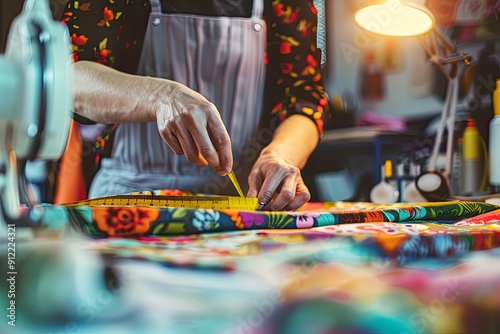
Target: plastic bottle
[471, 159]
[383, 192]
[456, 175]
[410, 191]
[494, 141]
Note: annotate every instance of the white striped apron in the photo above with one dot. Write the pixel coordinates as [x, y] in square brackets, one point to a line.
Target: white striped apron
[220, 57]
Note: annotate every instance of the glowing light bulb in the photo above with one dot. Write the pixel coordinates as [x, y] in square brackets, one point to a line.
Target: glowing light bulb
[395, 18]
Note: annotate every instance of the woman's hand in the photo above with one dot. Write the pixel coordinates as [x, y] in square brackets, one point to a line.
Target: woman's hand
[187, 121]
[275, 178]
[277, 183]
[192, 126]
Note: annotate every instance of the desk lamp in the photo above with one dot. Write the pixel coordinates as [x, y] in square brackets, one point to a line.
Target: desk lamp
[403, 18]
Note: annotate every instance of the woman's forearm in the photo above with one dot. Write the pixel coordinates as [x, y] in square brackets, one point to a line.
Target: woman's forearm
[294, 139]
[105, 95]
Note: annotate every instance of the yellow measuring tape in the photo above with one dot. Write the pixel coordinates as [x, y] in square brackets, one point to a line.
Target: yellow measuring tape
[188, 202]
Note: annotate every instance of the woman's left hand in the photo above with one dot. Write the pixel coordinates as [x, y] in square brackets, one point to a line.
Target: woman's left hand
[277, 183]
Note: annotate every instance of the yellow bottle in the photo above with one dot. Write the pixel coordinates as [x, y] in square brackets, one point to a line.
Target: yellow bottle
[471, 163]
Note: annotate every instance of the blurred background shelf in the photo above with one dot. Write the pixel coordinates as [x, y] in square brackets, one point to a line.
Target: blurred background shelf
[346, 164]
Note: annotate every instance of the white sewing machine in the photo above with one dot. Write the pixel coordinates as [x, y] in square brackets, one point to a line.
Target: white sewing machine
[53, 278]
[35, 85]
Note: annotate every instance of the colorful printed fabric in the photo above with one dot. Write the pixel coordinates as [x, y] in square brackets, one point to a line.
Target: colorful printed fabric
[394, 242]
[112, 32]
[404, 268]
[116, 221]
[401, 231]
[458, 296]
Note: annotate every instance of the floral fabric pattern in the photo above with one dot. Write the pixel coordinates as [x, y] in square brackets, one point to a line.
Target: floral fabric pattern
[117, 221]
[404, 231]
[426, 264]
[124, 221]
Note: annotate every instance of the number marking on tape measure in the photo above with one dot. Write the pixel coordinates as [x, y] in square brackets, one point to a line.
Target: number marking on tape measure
[188, 202]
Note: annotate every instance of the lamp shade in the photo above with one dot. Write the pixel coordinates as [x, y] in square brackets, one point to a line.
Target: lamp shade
[395, 18]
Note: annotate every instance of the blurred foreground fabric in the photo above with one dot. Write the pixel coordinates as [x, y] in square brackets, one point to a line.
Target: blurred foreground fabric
[327, 268]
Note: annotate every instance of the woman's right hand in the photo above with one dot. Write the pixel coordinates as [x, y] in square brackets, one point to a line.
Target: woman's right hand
[187, 121]
[191, 125]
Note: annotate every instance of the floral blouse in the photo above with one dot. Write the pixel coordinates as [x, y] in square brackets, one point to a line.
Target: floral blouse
[111, 32]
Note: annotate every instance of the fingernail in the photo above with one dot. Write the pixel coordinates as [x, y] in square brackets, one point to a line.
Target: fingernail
[223, 171]
[261, 205]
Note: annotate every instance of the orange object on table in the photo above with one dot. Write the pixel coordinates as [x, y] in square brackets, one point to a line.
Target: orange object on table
[70, 186]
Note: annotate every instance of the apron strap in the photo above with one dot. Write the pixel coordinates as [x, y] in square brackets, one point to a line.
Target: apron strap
[155, 6]
[258, 8]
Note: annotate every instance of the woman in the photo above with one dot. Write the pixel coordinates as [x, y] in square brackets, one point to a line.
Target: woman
[199, 80]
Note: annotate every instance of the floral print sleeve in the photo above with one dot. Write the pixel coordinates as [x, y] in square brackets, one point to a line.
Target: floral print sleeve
[110, 32]
[294, 84]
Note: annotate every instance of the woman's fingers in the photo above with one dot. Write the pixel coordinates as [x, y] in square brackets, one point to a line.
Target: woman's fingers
[190, 149]
[185, 141]
[278, 187]
[200, 135]
[255, 183]
[273, 177]
[220, 139]
[302, 196]
[172, 142]
[285, 194]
